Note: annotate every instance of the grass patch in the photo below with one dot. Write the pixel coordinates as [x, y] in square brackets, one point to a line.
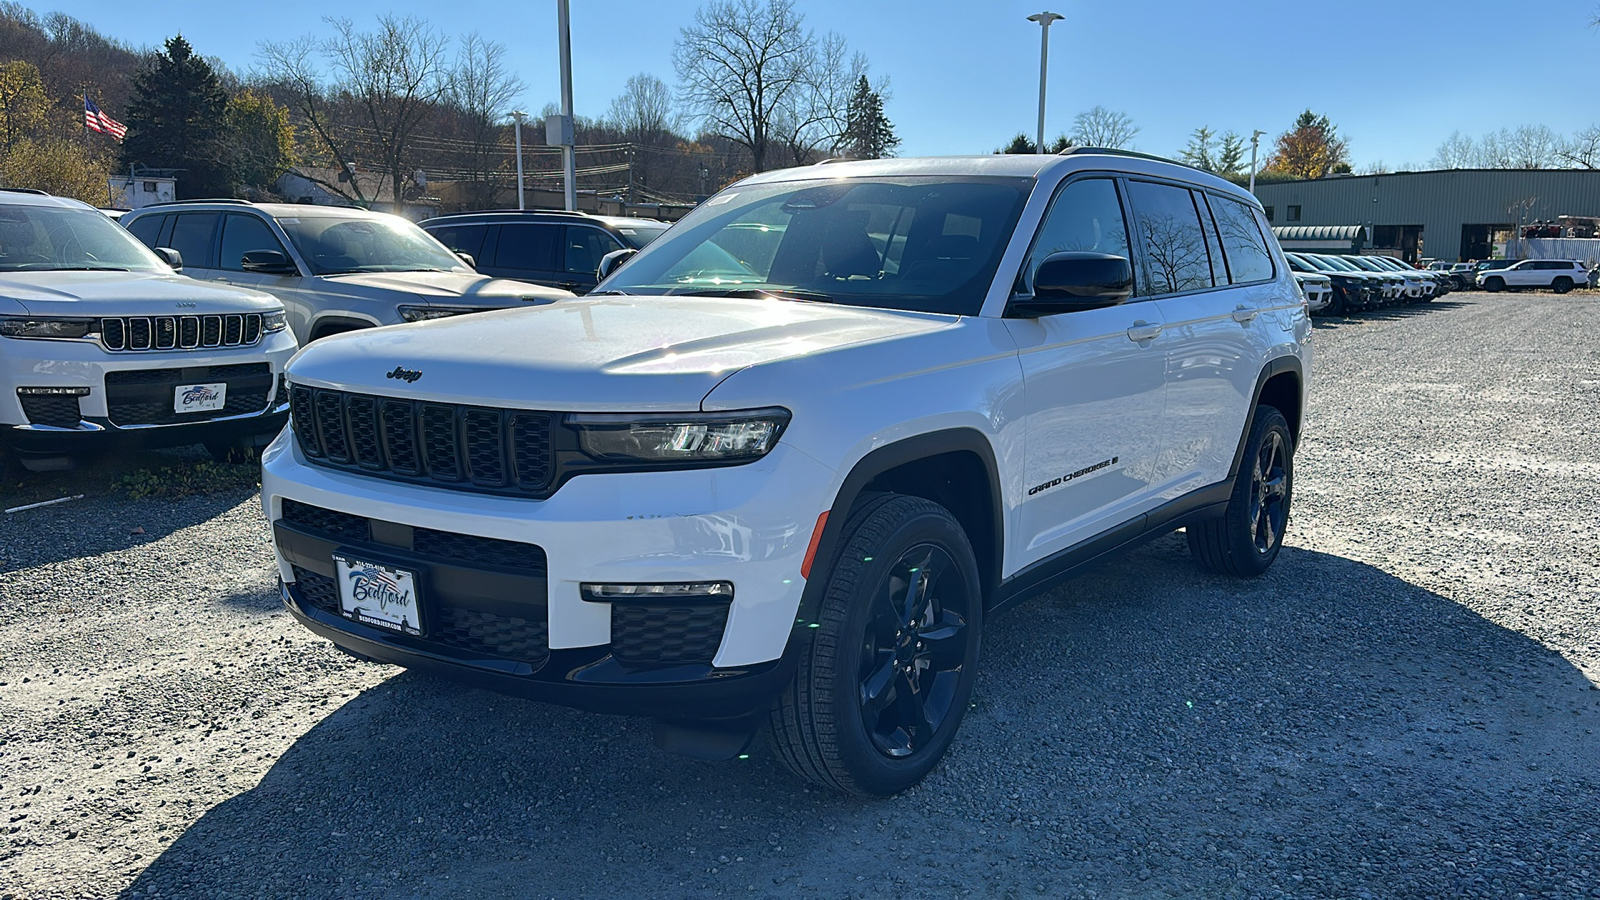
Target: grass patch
[134, 475]
[187, 479]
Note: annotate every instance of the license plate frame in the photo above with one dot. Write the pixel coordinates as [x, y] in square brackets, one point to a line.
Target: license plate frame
[204, 397]
[379, 594]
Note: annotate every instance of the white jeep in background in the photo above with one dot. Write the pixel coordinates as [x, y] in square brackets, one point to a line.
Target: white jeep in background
[102, 345]
[1559, 275]
[781, 486]
[335, 268]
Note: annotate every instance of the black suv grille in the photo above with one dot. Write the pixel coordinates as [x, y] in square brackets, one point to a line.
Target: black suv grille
[667, 635]
[145, 396]
[470, 448]
[179, 332]
[50, 409]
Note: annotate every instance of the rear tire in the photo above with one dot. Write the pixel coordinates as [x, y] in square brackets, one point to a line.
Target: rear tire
[1246, 539]
[1561, 285]
[883, 686]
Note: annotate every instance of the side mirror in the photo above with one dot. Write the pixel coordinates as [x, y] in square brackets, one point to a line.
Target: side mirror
[267, 262]
[467, 258]
[613, 261]
[1073, 281]
[171, 257]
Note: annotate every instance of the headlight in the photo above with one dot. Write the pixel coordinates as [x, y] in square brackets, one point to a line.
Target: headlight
[680, 437]
[26, 327]
[274, 321]
[424, 313]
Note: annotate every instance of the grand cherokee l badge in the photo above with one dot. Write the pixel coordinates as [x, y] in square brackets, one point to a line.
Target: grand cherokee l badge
[406, 375]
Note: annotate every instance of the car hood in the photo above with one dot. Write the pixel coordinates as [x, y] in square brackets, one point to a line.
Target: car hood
[1314, 278]
[444, 288]
[125, 294]
[629, 354]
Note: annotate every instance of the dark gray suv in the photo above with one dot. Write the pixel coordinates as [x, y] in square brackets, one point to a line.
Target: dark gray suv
[556, 249]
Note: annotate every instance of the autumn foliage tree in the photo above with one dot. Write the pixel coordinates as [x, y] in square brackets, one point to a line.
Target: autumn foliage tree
[1311, 149]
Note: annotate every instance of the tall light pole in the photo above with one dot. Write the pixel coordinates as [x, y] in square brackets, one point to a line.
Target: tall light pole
[569, 153]
[1044, 19]
[517, 117]
[1255, 141]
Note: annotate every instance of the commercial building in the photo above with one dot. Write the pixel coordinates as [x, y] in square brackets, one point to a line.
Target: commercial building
[1454, 214]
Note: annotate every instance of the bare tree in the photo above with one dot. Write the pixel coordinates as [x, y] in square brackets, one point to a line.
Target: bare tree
[291, 67]
[1101, 127]
[738, 63]
[1457, 152]
[480, 89]
[395, 75]
[813, 118]
[643, 111]
[1534, 147]
[1582, 150]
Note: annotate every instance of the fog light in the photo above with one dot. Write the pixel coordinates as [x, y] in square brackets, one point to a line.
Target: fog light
[53, 391]
[686, 592]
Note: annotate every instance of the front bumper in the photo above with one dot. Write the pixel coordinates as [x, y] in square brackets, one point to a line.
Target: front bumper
[498, 578]
[129, 395]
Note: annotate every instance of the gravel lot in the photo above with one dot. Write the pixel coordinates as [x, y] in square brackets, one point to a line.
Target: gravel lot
[1405, 706]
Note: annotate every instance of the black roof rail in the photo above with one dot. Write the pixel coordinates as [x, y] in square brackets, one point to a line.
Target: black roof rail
[231, 200]
[541, 212]
[27, 191]
[1132, 154]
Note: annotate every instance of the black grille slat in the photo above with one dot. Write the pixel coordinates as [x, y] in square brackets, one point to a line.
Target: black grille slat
[50, 409]
[189, 332]
[232, 330]
[463, 447]
[166, 332]
[139, 334]
[469, 548]
[210, 331]
[113, 334]
[667, 635]
[327, 521]
[252, 329]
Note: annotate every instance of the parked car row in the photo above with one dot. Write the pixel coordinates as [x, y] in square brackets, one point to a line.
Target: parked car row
[1352, 284]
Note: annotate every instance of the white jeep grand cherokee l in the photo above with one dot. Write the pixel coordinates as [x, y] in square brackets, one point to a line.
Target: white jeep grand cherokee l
[102, 344]
[783, 484]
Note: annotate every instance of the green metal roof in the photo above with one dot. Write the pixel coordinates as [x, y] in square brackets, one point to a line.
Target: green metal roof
[1319, 232]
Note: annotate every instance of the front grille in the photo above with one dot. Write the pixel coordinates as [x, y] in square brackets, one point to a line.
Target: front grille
[145, 396]
[667, 635]
[317, 590]
[472, 448]
[137, 333]
[505, 637]
[50, 409]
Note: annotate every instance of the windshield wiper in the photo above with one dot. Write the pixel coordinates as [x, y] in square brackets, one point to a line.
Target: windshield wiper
[757, 293]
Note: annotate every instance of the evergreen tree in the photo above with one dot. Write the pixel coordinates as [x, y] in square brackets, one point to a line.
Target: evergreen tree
[178, 120]
[1231, 158]
[1199, 153]
[868, 133]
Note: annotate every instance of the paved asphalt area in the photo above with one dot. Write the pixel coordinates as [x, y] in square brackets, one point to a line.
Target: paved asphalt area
[1405, 706]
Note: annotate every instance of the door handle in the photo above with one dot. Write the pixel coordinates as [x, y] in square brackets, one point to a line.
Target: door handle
[1143, 331]
[1244, 315]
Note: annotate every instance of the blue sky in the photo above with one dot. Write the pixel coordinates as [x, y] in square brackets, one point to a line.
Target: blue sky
[1396, 77]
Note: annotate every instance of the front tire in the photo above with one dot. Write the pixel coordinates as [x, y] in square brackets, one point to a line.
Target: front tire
[1246, 539]
[1494, 285]
[882, 689]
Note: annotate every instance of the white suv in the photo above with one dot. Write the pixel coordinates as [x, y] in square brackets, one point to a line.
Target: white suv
[783, 484]
[101, 343]
[335, 268]
[1559, 275]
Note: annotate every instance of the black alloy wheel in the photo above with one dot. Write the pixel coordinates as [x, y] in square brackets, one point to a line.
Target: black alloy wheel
[1494, 284]
[1561, 285]
[1246, 538]
[885, 680]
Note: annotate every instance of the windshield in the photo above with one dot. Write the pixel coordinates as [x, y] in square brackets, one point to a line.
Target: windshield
[930, 244]
[637, 236]
[43, 238]
[1335, 262]
[336, 245]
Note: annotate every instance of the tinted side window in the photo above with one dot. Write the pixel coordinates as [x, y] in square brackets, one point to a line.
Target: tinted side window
[1086, 216]
[147, 229]
[462, 238]
[527, 247]
[241, 234]
[1248, 258]
[1173, 246]
[584, 248]
[191, 237]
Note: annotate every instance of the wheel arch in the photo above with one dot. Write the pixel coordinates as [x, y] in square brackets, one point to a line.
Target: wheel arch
[337, 323]
[1280, 385]
[940, 466]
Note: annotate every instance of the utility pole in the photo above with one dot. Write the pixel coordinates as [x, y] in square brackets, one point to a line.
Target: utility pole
[1255, 141]
[569, 152]
[521, 201]
[1044, 19]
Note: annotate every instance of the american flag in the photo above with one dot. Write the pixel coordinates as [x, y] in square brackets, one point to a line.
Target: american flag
[99, 121]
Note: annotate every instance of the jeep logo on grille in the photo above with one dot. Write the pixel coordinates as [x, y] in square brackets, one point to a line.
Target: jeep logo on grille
[187, 304]
[406, 375]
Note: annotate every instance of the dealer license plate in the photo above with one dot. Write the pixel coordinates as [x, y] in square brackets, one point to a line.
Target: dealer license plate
[188, 398]
[375, 594]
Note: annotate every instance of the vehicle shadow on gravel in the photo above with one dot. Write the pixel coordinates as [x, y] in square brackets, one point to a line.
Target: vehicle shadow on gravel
[1144, 730]
[81, 529]
[1391, 314]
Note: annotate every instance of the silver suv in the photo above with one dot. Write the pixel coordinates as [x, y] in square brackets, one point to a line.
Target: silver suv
[335, 268]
